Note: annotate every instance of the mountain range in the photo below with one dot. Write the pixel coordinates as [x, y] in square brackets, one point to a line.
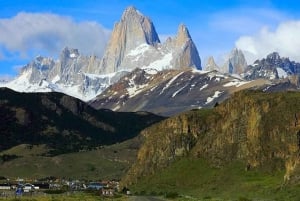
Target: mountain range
[138, 72]
[134, 43]
[155, 98]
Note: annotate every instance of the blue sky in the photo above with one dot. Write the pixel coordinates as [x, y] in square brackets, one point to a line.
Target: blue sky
[43, 27]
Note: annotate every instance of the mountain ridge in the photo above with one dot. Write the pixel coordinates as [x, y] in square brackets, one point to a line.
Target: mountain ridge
[63, 123]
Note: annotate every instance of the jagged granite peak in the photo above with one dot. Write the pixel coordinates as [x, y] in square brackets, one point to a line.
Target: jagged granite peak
[183, 34]
[272, 67]
[211, 64]
[274, 56]
[186, 54]
[236, 63]
[133, 30]
[132, 15]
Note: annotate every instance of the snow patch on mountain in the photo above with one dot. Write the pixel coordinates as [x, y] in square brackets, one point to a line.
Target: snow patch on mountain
[170, 82]
[96, 76]
[161, 64]
[203, 87]
[139, 50]
[216, 95]
[22, 84]
[135, 89]
[236, 83]
[179, 90]
[56, 79]
[150, 71]
[281, 73]
[194, 70]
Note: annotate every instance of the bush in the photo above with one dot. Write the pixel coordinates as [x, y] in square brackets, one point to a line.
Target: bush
[171, 195]
[153, 193]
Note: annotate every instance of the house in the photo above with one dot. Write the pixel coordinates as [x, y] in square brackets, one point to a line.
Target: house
[108, 192]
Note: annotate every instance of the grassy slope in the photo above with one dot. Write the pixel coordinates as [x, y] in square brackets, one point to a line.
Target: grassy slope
[196, 178]
[277, 131]
[108, 162]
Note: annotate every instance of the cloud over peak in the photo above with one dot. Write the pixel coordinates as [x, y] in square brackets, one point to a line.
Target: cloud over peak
[284, 39]
[50, 33]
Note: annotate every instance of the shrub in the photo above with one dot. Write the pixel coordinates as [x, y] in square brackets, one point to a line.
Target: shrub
[171, 195]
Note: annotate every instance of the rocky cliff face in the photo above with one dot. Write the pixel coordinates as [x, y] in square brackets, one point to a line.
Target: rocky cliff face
[259, 129]
[135, 44]
[133, 30]
[272, 67]
[185, 53]
[236, 63]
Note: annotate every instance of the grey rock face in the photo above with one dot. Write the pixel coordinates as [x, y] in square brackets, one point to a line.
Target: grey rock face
[133, 30]
[211, 65]
[236, 63]
[135, 44]
[272, 67]
[186, 53]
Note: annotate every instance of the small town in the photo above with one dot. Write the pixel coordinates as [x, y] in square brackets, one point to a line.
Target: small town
[25, 187]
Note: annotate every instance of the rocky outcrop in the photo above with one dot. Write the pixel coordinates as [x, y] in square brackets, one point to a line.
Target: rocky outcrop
[272, 67]
[185, 52]
[133, 30]
[211, 65]
[257, 128]
[236, 63]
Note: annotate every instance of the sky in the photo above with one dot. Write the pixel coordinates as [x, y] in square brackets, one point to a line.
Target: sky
[44, 27]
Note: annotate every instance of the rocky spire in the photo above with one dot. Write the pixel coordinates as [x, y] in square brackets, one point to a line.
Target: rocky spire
[236, 63]
[133, 30]
[182, 34]
[188, 56]
[138, 24]
[211, 64]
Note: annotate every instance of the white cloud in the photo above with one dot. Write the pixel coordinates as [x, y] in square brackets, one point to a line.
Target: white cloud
[221, 29]
[45, 32]
[284, 39]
